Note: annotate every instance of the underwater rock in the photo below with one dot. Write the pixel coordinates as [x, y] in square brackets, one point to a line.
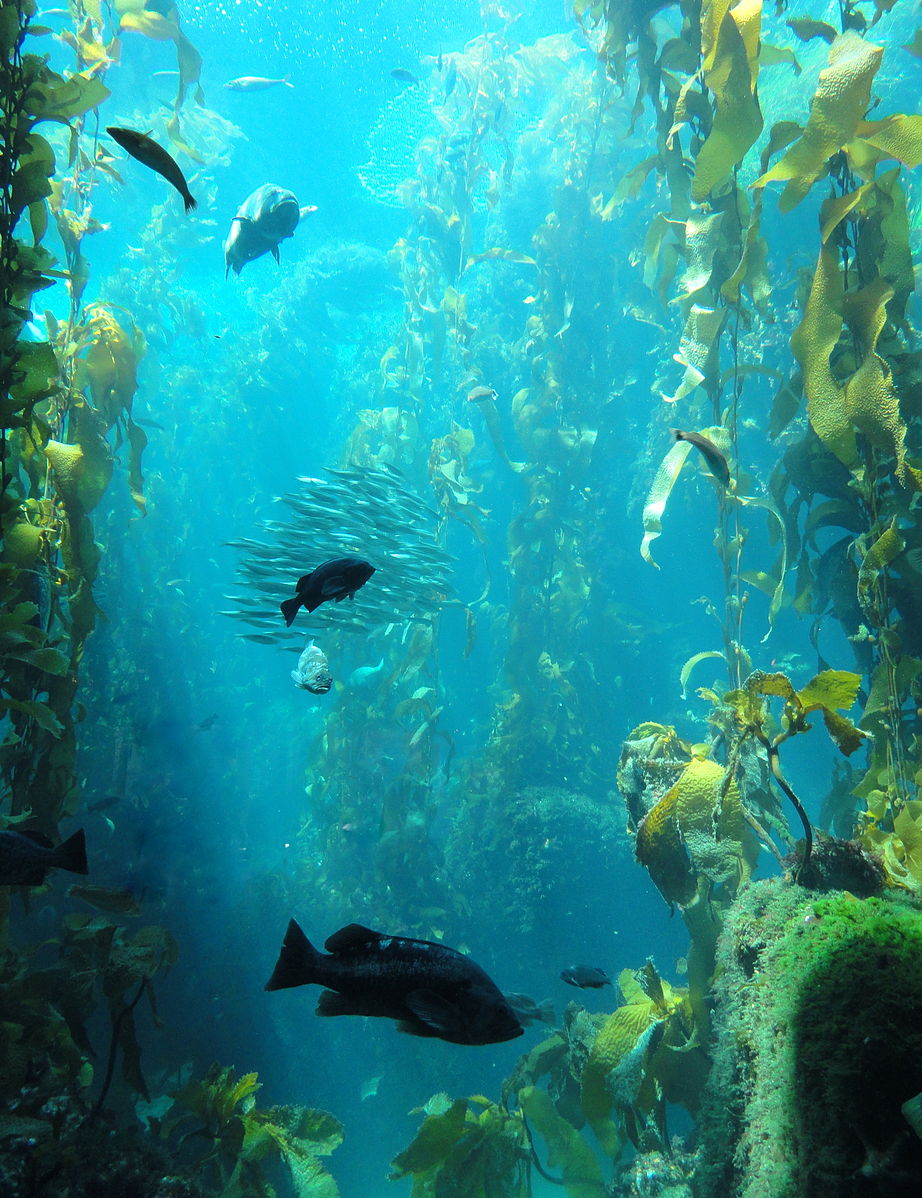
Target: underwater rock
[818, 1046]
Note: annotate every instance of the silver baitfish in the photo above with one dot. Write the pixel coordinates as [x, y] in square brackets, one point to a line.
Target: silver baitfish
[313, 672]
[266, 218]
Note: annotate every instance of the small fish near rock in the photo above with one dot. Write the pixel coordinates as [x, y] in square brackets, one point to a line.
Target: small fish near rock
[26, 857]
[430, 989]
[313, 672]
[336, 579]
[586, 977]
[265, 219]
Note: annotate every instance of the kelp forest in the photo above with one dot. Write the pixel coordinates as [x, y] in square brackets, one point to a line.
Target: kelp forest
[623, 400]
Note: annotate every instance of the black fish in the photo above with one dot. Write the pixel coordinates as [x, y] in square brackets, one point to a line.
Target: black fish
[146, 150]
[586, 977]
[429, 989]
[25, 857]
[337, 579]
[402, 75]
[716, 462]
[528, 1011]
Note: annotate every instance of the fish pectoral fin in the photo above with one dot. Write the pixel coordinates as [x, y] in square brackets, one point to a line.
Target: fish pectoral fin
[433, 1010]
[415, 1027]
[275, 254]
[332, 1003]
[353, 935]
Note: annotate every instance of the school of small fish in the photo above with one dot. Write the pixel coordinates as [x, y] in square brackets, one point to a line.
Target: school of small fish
[365, 512]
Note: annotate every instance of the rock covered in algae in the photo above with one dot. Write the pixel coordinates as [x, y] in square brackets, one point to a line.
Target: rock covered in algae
[818, 1029]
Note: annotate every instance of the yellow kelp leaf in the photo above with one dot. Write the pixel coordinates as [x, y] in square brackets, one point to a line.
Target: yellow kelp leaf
[732, 78]
[151, 24]
[837, 208]
[618, 1036]
[898, 136]
[752, 268]
[771, 56]
[908, 858]
[568, 1152]
[692, 662]
[630, 987]
[845, 736]
[874, 407]
[704, 239]
[807, 29]
[835, 689]
[842, 97]
[81, 475]
[697, 348]
[893, 260]
[776, 590]
[669, 470]
[887, 546]
[812, 343]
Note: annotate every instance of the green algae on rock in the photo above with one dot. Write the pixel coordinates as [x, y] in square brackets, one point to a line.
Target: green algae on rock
[818, 1046]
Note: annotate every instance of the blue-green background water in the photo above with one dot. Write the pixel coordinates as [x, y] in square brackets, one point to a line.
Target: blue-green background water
[245, 376]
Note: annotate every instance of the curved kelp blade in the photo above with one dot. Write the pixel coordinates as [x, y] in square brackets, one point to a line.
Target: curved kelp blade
[567, 1149]
[692, 662]
[669, 470]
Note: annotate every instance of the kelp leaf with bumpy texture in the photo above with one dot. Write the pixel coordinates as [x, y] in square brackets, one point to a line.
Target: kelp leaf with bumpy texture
[813, 342]
[880, 554]
[842, 97]
[898, 136]
[697, 348]
[669, 470]
[731, 74]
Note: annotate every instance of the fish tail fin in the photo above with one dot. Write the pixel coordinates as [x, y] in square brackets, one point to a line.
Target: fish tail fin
[286, 79]
[678, 434]
[289, 608]
[297, 963]
[546, 1012]
[189, 201]
[71, 854]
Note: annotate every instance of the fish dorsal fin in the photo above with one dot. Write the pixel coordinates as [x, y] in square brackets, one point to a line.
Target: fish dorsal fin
[352, 936]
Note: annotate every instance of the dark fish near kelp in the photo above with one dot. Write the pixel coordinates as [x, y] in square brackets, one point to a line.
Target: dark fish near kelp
[267, 217]
[26, 857]
[337, 579]
[586, 977]
[153, 155]
[402, 75]
[716, 462]
[256, 83]
[430, 989]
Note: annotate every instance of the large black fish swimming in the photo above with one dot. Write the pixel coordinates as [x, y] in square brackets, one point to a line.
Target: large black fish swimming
[26, 857]
[430, 989]
[265, 218]
[336, 579]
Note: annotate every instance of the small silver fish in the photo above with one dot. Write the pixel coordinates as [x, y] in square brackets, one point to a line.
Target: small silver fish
[313, 672]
